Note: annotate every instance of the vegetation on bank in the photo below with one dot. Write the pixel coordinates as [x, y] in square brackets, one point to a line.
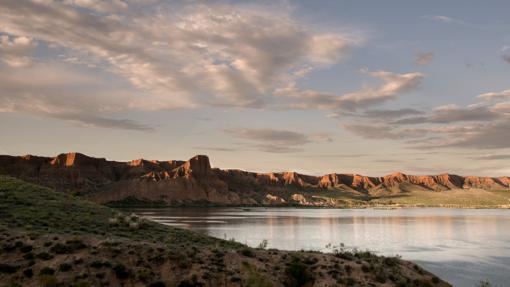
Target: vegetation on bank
[41, 210]
[54, 239]
[405, 196]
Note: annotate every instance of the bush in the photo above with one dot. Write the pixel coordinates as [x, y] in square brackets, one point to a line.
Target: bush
[64, 267]
[298, 274]
[121, 271]
[47, 271]
[310, 260]
[391, 261]
[350, 281]
[28, 273]
[247, 252]
[365, 268]
[48, 281]
[145, 275]
[484, 283]
[25, 248]
[348, 269]
[262, 244]
[255, 279]
[9, 269]
[81, 283]
[59, 248]
[69, 247]
[96, 264]
[44, 256]
[381, 277]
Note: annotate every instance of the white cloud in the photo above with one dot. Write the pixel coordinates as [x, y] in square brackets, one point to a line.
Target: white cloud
[452, 113]
[424, 58]
[502, 108]
[492, 135]
[181, 56]
[276, 141]
[392, 84]
[390, 114]
[15, 51]
[58, 91]
[444, 19]
[478, 126]
[383, 131]
[495, 95]
[100, 5]
[439, 18]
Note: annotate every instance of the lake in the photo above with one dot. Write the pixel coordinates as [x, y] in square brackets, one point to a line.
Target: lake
[462, 246]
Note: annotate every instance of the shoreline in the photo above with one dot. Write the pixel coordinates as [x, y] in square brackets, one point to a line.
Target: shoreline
[381, 207]
[72, 241]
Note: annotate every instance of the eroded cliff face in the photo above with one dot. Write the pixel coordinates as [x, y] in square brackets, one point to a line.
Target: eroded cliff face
[195, 182]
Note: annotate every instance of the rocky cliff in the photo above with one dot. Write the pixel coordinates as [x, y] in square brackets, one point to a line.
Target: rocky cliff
[195, 182]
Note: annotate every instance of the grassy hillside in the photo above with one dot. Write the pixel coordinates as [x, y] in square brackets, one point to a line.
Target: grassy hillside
[53, 239]
[460, 198]
[42, 210]
[406, 195]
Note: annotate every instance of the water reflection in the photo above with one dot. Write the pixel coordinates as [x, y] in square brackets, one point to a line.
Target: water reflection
[462, 246]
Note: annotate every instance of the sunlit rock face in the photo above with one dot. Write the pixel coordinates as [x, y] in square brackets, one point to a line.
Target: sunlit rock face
[193, 181]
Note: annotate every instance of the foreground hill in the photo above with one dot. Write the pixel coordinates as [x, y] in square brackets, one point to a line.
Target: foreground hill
[194, 182]
[48, 238]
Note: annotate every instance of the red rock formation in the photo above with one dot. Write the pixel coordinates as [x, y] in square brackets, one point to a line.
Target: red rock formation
[194, 181]
[197, 166]
[355, 181]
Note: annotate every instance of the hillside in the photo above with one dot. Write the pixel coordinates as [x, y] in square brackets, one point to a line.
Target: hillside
[194, 182]
[53, 239]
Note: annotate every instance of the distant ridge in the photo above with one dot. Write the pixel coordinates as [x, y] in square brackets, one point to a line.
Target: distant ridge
[193, 181]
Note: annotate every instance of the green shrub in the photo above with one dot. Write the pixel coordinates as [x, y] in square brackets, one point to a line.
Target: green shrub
[247, 252]
[47, 271]
[48, 280]
[298, 274]
[484, 283]
[64, 267]
[96, 264]
[145, 274]
[121, 271]
[26, 248]
[28, 273]
[365, 268]
[391, 261]
[310, 260]
[69, 247]
[157, 284]
[350, 281]
[44, 256]
[9, 269]
[81, 283]
[255, 279]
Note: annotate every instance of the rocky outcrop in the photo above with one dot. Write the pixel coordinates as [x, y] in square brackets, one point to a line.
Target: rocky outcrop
[355, 181]
[195, 182]
[274, 200]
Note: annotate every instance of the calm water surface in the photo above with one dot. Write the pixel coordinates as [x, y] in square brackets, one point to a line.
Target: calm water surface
[462, 246]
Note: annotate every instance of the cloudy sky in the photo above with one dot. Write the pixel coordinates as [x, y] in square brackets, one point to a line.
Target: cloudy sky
[313, 86]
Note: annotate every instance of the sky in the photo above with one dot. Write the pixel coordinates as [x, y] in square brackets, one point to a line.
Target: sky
[367, 87]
